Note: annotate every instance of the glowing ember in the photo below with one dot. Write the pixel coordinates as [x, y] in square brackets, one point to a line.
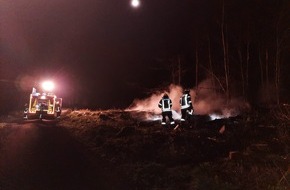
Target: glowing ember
[153, 117]
[208, 103]
[215, 116]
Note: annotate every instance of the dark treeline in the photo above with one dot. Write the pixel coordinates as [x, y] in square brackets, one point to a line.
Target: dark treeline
[243, 46]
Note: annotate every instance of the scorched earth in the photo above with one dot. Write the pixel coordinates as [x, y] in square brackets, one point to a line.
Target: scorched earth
[116, 149]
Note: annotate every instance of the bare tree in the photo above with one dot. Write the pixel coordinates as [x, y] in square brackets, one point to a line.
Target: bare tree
[267, 74]
[176, 70]
[196, 68]
[244, 69]
[282, 33]
[242, 73]
[210, 64]
[225, 52]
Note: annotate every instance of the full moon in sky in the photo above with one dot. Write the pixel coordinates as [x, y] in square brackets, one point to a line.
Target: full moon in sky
[135, 3]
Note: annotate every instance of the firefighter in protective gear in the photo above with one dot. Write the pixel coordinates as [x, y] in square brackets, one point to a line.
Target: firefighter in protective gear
[166, 104]
[186, 106]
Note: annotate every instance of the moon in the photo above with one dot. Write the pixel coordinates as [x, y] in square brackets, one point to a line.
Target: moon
[135, 3]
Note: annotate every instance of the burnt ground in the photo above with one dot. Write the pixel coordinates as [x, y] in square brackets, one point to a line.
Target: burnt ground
[115, 149]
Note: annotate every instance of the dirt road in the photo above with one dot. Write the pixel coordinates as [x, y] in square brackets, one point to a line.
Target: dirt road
[41, 155]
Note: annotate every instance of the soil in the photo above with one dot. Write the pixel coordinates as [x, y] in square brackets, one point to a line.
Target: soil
[116, 149]
[41, 155]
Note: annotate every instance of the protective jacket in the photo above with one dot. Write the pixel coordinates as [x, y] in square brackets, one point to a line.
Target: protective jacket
[165, 104]
[185, 101]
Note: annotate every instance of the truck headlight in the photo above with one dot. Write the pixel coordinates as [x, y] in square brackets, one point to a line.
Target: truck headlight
[48, 86]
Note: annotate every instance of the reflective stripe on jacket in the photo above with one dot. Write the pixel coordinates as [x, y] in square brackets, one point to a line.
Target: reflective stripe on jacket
[165, 104]
[185, 101]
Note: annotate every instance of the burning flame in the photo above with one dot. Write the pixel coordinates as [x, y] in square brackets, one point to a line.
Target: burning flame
[205, 102]
[150, 104]
[215, 116]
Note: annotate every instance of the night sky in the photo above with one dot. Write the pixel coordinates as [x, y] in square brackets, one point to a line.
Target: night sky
[105, 53]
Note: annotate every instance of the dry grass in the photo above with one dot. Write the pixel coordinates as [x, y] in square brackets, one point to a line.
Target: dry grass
[151, 157]
[155, 158]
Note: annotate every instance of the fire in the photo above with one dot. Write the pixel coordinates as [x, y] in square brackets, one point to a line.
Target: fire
[215, 116]
[205, 102]
[150, 104]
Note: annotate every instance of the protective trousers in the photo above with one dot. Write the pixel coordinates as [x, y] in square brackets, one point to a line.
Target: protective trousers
[169, 115]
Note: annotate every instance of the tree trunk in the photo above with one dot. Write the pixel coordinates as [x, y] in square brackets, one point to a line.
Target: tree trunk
[179, 71]
[196, 68]
[225, 52]
[247, 68]
[261, 70]
[267, 75]
[242, 74]
[277, 72]
[210, 67]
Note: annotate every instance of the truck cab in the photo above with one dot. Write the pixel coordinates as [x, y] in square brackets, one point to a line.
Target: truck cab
[43, 105]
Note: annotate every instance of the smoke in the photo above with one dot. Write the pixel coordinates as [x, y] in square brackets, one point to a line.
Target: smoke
[212, 100]
[150, 104]
[206, 98]
[24, 83]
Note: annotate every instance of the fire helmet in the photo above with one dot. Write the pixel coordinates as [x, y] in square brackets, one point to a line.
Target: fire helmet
[165, 96]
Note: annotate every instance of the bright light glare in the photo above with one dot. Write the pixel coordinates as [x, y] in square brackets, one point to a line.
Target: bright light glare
[154, 118]
[135, 3]
[215, 116]
[47, 86]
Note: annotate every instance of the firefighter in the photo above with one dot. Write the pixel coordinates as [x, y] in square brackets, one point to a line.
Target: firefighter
[166, 104]
[25, 112]
[186, 106]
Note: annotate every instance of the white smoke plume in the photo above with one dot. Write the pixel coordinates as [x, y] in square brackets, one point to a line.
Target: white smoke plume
[206, 101]
[150, 104]
[209, 100]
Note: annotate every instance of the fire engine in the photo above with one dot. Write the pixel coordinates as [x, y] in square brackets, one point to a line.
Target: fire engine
[44, 104]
